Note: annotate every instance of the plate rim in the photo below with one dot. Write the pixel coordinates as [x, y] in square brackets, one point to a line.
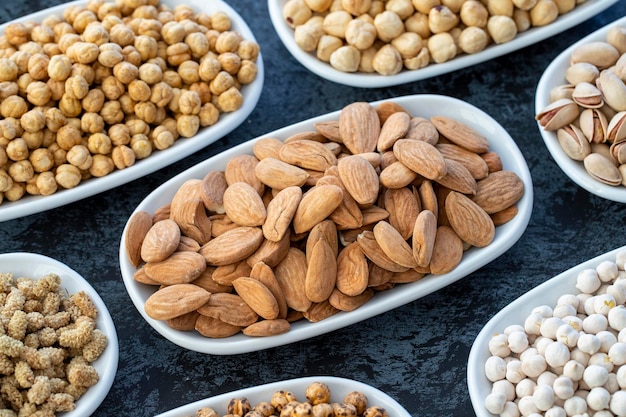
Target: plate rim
[566, 21]
[182, 148]
[109, 359]
[521, 306]
[301, 382]
[506, 236]
[574, 170]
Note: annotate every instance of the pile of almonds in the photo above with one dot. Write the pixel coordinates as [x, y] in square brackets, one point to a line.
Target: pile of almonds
[320, 222]
[386, 37]
[589, 111]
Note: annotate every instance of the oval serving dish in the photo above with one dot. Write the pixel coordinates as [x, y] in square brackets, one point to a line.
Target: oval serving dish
[339, 387]
[515, 313]
[34, 266]
[555, 75]
[581, 13]
[182, 147]
[417, 105]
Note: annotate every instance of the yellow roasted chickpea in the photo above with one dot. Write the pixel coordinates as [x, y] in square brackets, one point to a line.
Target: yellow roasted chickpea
[41, 159]
[248, 50]
[139, 90]
[161, 94]
[162, 138]
[209, 114]
[8, 70]
[198, 44]
[188, 72]
[187, 125]
[17, 149]
[21, 171]
[99, 143]
[150, 27]
[189, 102]
[122, 35]
[222, 82]
[141, 146]
[93, 101]
[171, 78]
[16, 33]
[147, 111]
[38, 93]
[123, 156]
[230, 100]
[96, 33]
[228, 41]
[76, 87]
[230, 62]
[33, 120]
[150, 73]
[146, 46]
[80, 157]
[91, 123]
[13, 106]
[59, 67]
[178, 53]
[83, 52]
[203, 90]
[46, 183]
[38, 66]
[8, 88]
[131, 55]
[67, 176]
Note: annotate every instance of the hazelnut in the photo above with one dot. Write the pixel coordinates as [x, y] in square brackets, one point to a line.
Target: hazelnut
[543, 13]
[388, 25]
[326, 46]
[296, 12]
[409, 44]
[442, 19]
[387, 61]
[472, 40]
[360, 34]
[442, 47]
[501, 28]
[336, 23]
[345, 58]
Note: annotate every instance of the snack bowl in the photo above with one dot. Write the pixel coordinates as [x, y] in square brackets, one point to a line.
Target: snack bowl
[31, 265]
[554, 75]
[516, 312]
[364, 80]
[183, 147]
[339, 388]
[417, 105]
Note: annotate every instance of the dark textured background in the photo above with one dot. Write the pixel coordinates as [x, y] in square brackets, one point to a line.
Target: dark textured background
[416, 353]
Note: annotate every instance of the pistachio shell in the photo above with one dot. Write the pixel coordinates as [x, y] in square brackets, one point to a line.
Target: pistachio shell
[616, 131]
[594, 125]
[600, 54]
[587, 95]
[613, 89]
[616, 36]
[582, 72]
[602, 169]
[561, 91]
[558, 114]
[573, 142]
[618, 151]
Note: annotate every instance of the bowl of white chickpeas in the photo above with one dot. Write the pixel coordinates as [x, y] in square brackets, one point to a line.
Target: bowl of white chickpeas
[559, 349]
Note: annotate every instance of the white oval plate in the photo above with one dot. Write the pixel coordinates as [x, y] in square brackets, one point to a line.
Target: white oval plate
[555, 75]
[515, 313]
[324, 70]
[31, 265]
[182, 147]
[422, 105]
[339, 388]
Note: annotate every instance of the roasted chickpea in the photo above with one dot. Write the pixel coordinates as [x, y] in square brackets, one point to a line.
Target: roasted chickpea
[8, 88]
[96, 33]
[21, 171]
[222, 82]
[123, 157]
[122, 35]
[33, 120]
[141, 146]
[76, 87]
[189, 102]
[146, 46]
[112, 88]
[83, 52]
[13, 106]
[38, 93]
[187, 125]
[91, 123]
[93, 101]
[99, 143]
[162, 138]
[230, 100]
[46, 183]
[38, 66]
[227, 42]
[161, 94]
[150, 73]
[230, 62]
[131, 55]
[80, 157]
[147, 111]
[178, 53]
[209, 115]
[139, 90]
[85, 71]
[8, 70]
[198, 44]
[110, 55]
[16, 33]
[150, 27]
[17, 150]
[112, 112]
[102, 165]
[41, 159]
[172, 78]
[203, 90]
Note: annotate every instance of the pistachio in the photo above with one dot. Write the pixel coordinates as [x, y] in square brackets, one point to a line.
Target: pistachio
[602, 169]
[599, 53]
[616, 130]
[594, 125]
[561, 91]
[618, 152]
[573, 142]
[616, 36]
[587, 95]
[558, 114]
[582, 72]
[613, 89]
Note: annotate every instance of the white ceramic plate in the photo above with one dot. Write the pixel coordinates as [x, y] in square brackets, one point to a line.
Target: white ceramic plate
[324, 70]
[422, 105]
[339, 387]
[35, 266]
[555, 75]
[515, 313]
[182, 147]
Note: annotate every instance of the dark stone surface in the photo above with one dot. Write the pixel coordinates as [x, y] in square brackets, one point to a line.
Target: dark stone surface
[417, 353]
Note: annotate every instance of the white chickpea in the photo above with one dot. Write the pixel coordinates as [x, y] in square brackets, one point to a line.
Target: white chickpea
[495, 401]
[601, 359]
[589, 343]
[589, 305]
[603, 303]
[595, 376]
[573, 370]
[607, 271]
[541, 343]
[518, 341]
[611, 384]
[564, 310]
[532, 323]
[582, 297]
[495, 368]
[563, 387]
[575, 405]
[570, 299]
[588, 281]
[549, 326]
[621, 377]
[534, 365]
[555, 411]
[580, 356]
[543, 310]
[510, 410]
[595, 323]
[506, 387]
[607, 339]
[546, 378]
[514, 373]
[527, 405]
[567, 335]
[528, 352]
[620, 259]
[525, 387]
[618, 292]
[574, 321]
[618, 403]
[543, 397]
[557, 354]
[617, 318]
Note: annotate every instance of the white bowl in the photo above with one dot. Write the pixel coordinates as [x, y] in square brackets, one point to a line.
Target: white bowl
[422, 105]
[339, 387]
[35, 266]
[555, 75]
[324, 70]
[515, 313]
[182, 147]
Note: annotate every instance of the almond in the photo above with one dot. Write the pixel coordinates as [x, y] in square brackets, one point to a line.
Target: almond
[388, 108]
[267, 148]
[316, 205]
[257, 296]
[422, 129]
[229, 308]
[330, 130]
[244, 205]
[320, 311]
[206, 281]
[307, 154]
[175, 300]
[160, 241]
[403, 208]
[428, 197]
[447, 251]
[470, 222]
[178, 268]
[360, 179]
[280, 212]
[345, 302]
[226, 274]
[423, 240]
[377, 275]
[394, 245]
[232, 246]
[503, 216]
[458, 178]
[212, 191]
[352, 270]
[397, 175]
[242, 168]
[493, 161]
[191, 217]
[270, 252]
[374, 214]
[420, 157]
[460, 134]
[278, 174]
[359, 127]
[264, 328]
[375, 253]
[265, 275]
[185, 322]
[136, 230]
[321, 273]
[291, 276]
[474, 163]
[347, 215]
[187, 244]
[215, 328]
[310, 135]
[394, 127]
[406, 277]
[141, 276]
[498, 191]
[325, 230]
